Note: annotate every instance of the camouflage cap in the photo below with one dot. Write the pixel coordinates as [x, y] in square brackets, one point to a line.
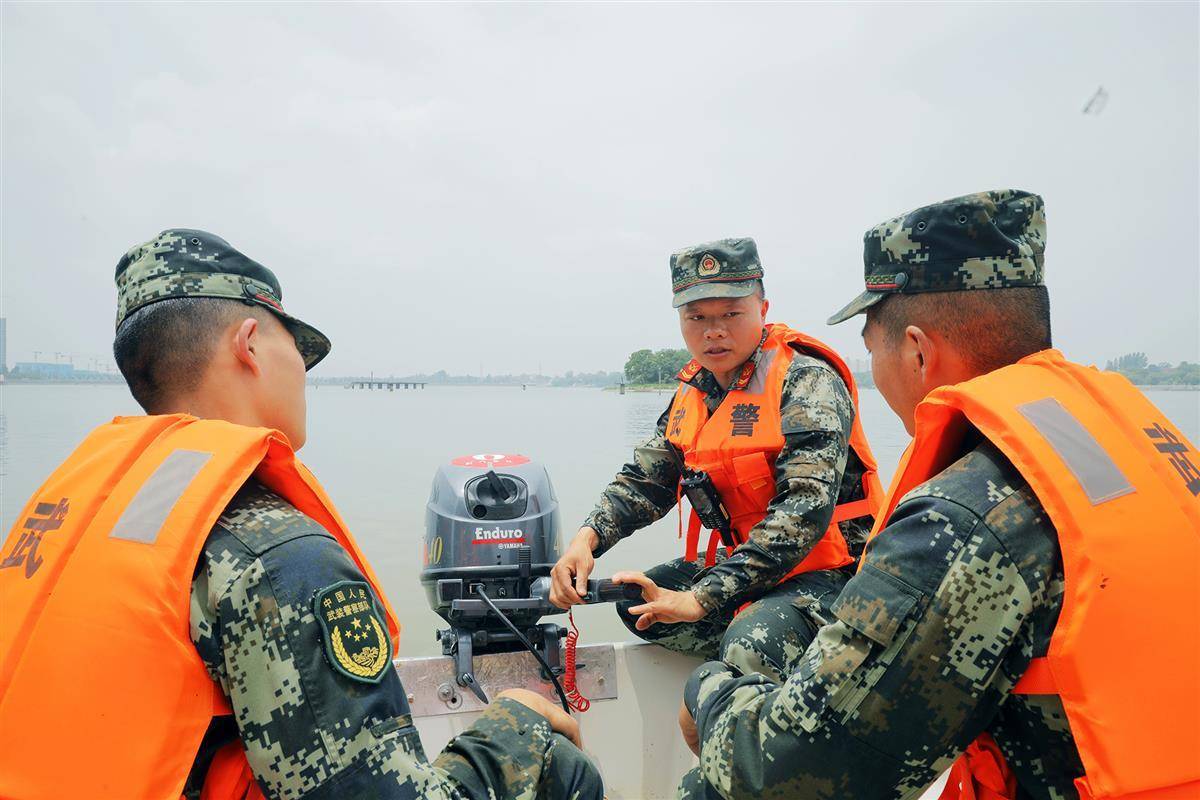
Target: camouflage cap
[989, 240]
[188, 263]
[724, 268]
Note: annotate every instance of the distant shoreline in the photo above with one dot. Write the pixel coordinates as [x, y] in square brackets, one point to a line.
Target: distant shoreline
[1169, 387]
[640, 388]
[1153, 387]
[645, 387]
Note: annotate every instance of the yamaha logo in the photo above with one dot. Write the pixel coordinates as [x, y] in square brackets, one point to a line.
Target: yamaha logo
[501, 537]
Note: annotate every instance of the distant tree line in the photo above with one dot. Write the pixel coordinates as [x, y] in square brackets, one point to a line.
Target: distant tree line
[655, 366]
[601, 378]
[1139, 370]
[571, 378]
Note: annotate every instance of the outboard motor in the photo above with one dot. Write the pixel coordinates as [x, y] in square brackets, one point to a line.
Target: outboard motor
[491, 538]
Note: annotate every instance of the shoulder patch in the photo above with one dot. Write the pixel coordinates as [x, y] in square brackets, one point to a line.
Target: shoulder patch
[353, 632]
[689, 371]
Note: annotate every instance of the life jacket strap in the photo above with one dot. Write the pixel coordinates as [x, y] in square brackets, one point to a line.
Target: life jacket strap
[980, 773]
[692, 543]
[1038, 679]
[229, 776]
[852, 510]
[679, 507]
[710, 555]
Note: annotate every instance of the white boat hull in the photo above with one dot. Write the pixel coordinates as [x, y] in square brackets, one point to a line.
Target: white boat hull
[632, 734]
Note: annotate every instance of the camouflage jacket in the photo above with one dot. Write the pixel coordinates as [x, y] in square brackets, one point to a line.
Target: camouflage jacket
[955, 597]
[310, 731]
[814, 471]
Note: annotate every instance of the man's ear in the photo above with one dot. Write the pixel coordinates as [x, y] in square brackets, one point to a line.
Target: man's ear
[245, 344]
[766, 304]
[924, 354]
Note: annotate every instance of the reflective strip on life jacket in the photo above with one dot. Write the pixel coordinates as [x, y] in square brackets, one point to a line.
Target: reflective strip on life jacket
[1120, 483]
[737, 446]
[96, 659]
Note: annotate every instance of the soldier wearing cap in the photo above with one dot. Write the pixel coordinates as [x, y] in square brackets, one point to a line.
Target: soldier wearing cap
[1005, 611]
[766, 416]
[234, 640]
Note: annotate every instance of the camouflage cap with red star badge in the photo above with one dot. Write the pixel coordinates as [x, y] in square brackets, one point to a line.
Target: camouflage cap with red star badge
[724, 268]
[181, 262]
[987, 240]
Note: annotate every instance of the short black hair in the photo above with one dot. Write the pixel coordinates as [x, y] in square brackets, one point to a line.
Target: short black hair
[992, 328]
[759, 289]
[163, 349]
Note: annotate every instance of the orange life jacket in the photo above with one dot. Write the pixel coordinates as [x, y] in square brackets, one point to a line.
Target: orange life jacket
[1120, 483]
[737, 446]
[102, 693]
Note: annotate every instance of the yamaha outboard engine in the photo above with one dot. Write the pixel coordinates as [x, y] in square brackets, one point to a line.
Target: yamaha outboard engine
[491, 538]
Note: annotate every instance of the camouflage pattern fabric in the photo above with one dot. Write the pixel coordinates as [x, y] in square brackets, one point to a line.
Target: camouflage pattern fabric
[814, 471]
[954, 599]
[724, 268]
[988, 240]
[309, 730]
[768, 636]
[182, 262]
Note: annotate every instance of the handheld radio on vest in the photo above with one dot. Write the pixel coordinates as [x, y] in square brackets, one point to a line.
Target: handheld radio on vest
[698, 487]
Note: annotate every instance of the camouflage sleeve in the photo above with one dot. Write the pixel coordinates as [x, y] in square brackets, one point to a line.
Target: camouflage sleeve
[312, 730]
[643, 491]
[502, 754]
[816, 414]
[929, 639]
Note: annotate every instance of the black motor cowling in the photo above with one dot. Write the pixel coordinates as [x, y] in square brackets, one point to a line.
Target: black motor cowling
[491, 538]
[492, 523]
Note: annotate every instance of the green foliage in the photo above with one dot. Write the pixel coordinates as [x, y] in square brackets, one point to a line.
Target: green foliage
[1128, 363]
[659, 366]
[1139, 370]
[601, 378]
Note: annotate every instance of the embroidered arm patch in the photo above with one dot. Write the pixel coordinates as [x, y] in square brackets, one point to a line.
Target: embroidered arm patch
[353, 631]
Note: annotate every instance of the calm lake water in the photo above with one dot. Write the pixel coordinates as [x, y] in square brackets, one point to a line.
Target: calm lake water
[376, 453]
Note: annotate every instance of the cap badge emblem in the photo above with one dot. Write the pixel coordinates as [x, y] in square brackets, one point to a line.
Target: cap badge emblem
[709, 266]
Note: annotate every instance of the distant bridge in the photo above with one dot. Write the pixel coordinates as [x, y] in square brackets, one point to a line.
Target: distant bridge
[391, 386]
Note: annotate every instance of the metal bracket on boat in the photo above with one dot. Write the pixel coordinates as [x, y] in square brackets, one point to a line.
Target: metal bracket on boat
[427, 679]
[464, 667]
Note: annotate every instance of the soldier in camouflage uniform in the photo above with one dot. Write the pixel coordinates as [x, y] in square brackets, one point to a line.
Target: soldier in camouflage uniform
[814, 471]
[961, 590]
[311, 728]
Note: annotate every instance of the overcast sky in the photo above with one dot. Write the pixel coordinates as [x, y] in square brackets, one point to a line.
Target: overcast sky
[458, 186]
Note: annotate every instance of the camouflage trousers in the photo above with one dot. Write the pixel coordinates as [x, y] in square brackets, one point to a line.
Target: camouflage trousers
[560, 771]
[768, 636]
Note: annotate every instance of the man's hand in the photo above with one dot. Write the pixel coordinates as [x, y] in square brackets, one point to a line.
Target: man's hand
[662, 605]
[687, 726]
[560, 721]
[569, 577]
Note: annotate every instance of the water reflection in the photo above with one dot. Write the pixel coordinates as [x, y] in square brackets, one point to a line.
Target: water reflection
[641, 417]
[376, 453]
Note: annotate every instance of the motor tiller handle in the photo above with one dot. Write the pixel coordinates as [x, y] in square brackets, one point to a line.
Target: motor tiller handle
[605, 591]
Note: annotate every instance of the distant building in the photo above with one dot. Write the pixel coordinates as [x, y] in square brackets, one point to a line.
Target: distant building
[43, 369]
[52, 372]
